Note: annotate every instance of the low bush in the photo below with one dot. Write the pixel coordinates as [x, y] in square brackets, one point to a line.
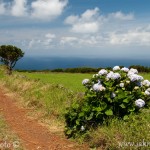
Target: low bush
[110, 93]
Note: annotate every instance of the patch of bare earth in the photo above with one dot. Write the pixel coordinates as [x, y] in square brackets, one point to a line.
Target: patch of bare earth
[34, 136]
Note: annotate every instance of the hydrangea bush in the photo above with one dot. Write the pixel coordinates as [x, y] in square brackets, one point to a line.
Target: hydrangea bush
[110, 93]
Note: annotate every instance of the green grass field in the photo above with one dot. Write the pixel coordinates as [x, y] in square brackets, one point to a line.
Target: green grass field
[146, 76]
[73, 81]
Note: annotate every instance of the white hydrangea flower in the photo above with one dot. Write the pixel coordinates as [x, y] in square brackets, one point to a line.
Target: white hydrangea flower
[136, 88]
[102, 88]
[130, 74]
[139, 103]
[116, 76]
[98, 87]
[121, 85]
[135, 77]
[125, 69]
[109, 75]
[113, 95]
[116, 68]
[102, 72]
[85, 81]
[132, 70]
[82, 128]
[112, 75]
[147, 93]
[148, 90]
[146, 83]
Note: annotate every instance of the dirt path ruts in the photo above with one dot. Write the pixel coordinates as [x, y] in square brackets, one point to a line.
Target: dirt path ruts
[33, 135]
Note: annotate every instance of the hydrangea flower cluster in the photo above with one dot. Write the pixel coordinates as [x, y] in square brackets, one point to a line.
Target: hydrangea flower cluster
[120, 80]
[112, 75]
[111, 92]
[125, 69]
[98, 87]
[102, 72]
[146, 83]
[139, 103]
[134, 77]
[116, 68]
[85, 81]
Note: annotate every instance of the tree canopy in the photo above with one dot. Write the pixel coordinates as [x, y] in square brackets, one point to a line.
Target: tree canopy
[9, 55]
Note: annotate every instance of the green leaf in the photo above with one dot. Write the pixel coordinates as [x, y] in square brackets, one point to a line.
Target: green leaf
[125, 117]
[122, 106]
[109, 112]
[78, 122]
[98, 109]
[81, 114]
[131, 109]
[90, 117]
[69, 132]
[126, 100]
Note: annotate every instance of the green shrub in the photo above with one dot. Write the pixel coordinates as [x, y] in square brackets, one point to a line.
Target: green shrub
[110, 93]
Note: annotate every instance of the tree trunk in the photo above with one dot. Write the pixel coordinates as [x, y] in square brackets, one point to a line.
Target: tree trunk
[9, 70]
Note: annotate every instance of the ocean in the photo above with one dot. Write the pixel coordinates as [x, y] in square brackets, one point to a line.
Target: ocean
[41, 63]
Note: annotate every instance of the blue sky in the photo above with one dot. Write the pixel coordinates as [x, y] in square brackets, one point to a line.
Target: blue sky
[77, 28]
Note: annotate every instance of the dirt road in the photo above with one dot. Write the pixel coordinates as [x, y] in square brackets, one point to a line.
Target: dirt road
[33, 135]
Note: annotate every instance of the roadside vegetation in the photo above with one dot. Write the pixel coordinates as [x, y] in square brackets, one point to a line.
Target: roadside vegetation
[51, 93]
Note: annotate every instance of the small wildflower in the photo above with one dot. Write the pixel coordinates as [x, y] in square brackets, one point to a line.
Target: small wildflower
[82, 128]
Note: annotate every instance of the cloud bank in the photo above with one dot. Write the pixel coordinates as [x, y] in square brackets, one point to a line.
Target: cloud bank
[38, 9]
[91, 20]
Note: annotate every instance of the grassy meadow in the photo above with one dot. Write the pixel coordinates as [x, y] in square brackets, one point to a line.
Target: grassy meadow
[52, 93]
[72, 81]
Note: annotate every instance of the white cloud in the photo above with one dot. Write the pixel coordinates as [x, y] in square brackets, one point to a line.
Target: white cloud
[2, 8]
[49, 39]
[138, 36]
[68, 40]
[91, 20]
[71, 19]
[88, 22]
[38, 9]
[19, 8]
[82, 41]
[121, 16]
[47, 9]
[89, 27]
[50, 36]
[46, 41]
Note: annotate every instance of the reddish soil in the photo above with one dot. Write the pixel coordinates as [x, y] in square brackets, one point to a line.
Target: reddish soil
[33, 135]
